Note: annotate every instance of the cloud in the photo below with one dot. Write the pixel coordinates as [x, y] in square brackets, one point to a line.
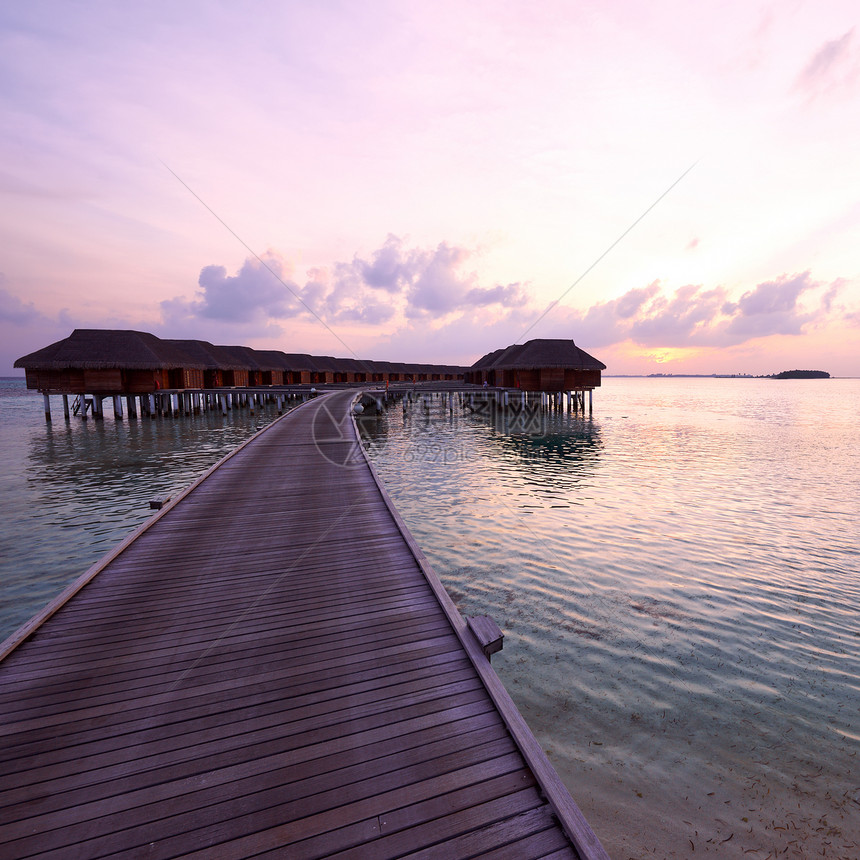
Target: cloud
[511, 296]
[259, 290]
[433, 283]
[394, 280]
[685, 318]
[390, 269]
[259, 293]
[832, 67]
[13, 310]
[694, 316]
[829, 297]
[770, 308]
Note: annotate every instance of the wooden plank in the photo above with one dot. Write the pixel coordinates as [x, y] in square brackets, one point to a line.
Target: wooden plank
[215, 803]
[330, 770]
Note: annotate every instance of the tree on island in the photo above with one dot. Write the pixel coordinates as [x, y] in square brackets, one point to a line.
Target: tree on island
[801, 374]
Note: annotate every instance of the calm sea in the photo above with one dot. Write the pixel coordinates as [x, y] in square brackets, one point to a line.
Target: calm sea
[677, 578]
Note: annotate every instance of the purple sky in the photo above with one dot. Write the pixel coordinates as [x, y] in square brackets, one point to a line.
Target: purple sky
[422, 181]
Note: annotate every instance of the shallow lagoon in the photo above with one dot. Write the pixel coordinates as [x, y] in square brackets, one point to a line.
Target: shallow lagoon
[677, 577]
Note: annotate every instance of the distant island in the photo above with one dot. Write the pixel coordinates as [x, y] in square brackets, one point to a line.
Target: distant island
[801, 374]
[786, 374]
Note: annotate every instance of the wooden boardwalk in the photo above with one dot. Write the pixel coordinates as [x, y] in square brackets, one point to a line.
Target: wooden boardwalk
[269, 668]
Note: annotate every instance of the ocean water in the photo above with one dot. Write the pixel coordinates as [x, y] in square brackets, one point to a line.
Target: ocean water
[71, 491]
[677, 576]
[678, 579]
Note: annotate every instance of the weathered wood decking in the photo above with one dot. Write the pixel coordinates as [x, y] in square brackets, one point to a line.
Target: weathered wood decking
[269, 669]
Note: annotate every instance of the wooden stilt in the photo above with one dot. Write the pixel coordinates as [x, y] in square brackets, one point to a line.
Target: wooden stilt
[66, 407]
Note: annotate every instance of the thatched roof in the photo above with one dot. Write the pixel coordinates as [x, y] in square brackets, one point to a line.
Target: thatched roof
[488, 359]
[272, 359]
[299, 361]
[242, 355]
[542, 352]
[108, 349]
[105, 349]
[206, 354]
[268, 359]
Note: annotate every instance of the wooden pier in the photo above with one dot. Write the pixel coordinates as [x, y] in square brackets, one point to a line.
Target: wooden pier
[270, 668]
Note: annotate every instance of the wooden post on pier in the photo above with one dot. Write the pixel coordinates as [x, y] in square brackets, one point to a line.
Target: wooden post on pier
[47, 402]
[66, 407]
[117, 407]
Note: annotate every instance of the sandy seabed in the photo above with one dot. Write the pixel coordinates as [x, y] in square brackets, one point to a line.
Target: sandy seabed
[760, 823]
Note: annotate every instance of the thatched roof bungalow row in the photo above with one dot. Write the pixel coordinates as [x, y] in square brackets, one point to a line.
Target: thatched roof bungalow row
[107, 361]
[544, 364]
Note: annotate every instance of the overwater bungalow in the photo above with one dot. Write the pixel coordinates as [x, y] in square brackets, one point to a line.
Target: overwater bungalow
[544, 364]
[214, 362]
[272, 366]
[106, 361]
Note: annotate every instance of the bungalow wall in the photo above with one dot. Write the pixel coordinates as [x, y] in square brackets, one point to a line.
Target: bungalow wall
[528, 380]
[141, 381]
[103, 381]
[213, 378]
[552, 379]
[237, 378]
[59, 381]
[185, 378]
[581, 379]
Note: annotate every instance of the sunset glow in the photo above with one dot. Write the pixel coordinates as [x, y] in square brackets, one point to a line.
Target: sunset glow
[670, 185]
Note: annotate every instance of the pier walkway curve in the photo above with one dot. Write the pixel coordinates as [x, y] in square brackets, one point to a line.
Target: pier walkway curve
[270, 668]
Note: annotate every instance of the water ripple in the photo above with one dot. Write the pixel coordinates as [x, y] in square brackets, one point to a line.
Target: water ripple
[677, 579]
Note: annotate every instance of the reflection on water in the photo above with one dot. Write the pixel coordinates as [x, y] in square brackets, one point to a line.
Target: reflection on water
[677, 579]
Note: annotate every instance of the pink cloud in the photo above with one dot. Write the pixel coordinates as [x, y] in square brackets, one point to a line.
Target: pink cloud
[834, 66]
